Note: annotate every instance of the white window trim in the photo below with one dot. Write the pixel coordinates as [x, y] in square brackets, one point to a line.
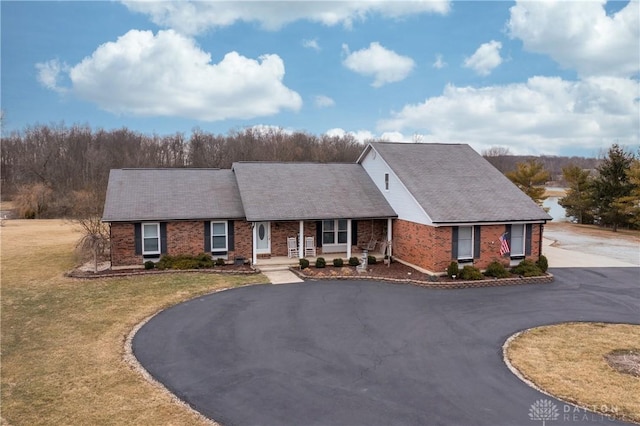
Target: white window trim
[336, 231]
[159, 238]
[466, 259]
[524, 241]
[218, 252]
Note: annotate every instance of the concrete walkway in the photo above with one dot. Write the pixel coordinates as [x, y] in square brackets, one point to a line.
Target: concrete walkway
[283, 276]
[561, 258]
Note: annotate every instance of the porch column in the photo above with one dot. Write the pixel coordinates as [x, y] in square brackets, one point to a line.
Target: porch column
[348, 238]
[254, 251]
[301, 241]
[389, 234]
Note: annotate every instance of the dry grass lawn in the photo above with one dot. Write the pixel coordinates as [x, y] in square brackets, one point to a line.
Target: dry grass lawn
[568, 361]
[63, 339]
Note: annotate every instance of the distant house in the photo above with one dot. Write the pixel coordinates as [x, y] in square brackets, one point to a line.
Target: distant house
[434, 203]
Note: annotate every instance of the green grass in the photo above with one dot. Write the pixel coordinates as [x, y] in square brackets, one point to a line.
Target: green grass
[63, 339]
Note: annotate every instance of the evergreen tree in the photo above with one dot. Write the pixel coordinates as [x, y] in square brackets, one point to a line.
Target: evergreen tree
[630, 205]
[612, 184]
[579, 201]
[530, 177]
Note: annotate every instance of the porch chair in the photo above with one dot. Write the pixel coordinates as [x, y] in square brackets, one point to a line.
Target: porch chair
[309, 247]
[292, 247]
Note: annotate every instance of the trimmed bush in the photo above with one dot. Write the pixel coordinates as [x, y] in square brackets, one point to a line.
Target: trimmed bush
[304, 263]
[338, 262]
[149, 264]
[354, 261]
[371, 260]
[453, 269]
[220, 262]
[471, 273]
[527, 268]
[201, 261]
[320, 262]
[496, 270]
[543, 263]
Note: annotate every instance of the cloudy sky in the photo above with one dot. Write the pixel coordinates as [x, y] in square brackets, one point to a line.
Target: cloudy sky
[541, 77]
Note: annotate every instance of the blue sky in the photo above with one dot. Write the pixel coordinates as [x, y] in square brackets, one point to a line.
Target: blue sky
[541, 77]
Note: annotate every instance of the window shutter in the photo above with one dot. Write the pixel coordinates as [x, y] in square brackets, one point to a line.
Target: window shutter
[454, 242]
[137, 231]
[476, 242]
[207, 237]
[163, 237]
[354, 233]
[231, 236]
[527, 241]
[319, 233]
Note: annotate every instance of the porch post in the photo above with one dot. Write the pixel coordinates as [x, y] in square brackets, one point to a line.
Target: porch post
[348, 238]
[255, 243]
[389, 234]
[301, 241]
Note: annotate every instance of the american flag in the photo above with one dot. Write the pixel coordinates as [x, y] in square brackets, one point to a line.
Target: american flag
[504, 245]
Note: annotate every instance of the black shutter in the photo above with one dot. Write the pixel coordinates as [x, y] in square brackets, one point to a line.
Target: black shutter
[163, 237]
[231, 238]
[476, 242]
[454, 242]
[354, 233]
[527, 241]
[319, 233]
[507, 231]
[207, 237]
[137, 230]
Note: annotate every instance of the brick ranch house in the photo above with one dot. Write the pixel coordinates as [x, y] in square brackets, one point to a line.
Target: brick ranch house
[435, 203]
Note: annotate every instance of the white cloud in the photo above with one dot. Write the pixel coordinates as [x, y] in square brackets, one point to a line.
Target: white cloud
[359, 135]
[384, 65]
[169, 75]
[439, 62]
[49, 74]
[193, 17]
[486, 58]
[311, 44]
[580, 35]
[323, 101]
[543, 115]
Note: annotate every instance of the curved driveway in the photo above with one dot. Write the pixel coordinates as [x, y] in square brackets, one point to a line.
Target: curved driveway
[371, 353]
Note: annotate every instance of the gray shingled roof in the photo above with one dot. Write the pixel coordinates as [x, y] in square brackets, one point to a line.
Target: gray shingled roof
[453, 183]
[309, 191]
[165, 194]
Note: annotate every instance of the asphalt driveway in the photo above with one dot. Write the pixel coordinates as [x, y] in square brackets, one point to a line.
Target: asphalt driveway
[371, 353]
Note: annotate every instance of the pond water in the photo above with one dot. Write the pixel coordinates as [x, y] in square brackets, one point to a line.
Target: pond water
[556, 211]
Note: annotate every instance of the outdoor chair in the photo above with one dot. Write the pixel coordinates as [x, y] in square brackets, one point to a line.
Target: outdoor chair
[309, 247]
[292, 247]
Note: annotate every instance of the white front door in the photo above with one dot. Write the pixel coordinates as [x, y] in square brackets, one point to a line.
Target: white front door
[263, 237]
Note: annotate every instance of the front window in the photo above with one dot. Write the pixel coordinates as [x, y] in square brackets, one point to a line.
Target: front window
[517, 240]
[219, 238]
[150, 238]
[334, 231]
[465, 242]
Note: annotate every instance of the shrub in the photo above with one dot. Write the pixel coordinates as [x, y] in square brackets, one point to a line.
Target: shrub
[149, 264]
[453, 269]
[354, 261]
[497, 270]
[371, 260]
[320, 262]
[543, 263]
[527, 268]
[471, 273]
[220, 262]
[338, 262]
[200, 261]
[304, 263]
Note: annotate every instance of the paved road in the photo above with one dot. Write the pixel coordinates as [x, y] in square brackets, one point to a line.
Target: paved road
[370, 353]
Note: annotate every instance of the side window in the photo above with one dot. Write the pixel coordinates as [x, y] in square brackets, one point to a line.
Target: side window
[150, 238]
[386, 181]
[517, 240]
[465, 242]
[219, 238]
[328, 232]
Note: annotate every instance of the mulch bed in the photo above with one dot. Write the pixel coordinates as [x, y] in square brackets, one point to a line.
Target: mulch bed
[227, 269]
[625, 361]
[398, 272]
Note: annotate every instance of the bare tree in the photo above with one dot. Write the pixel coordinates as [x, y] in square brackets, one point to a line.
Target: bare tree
[95, 233]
